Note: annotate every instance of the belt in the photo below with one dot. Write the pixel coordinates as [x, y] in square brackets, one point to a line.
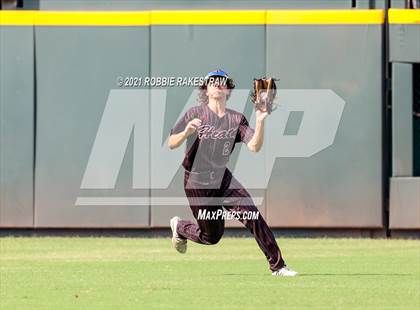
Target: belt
[209, 174]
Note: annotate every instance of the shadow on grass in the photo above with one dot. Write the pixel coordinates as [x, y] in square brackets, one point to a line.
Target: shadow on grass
[354, 274]
[327, 274]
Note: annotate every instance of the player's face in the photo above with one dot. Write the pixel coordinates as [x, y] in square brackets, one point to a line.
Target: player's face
[217, 88]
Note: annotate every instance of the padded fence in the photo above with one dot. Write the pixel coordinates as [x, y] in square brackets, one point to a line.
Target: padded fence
[92, 153]
[404, 38]
[416, 120]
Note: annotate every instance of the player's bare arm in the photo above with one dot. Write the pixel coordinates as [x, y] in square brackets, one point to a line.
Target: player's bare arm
[255, 144]
[176, 140]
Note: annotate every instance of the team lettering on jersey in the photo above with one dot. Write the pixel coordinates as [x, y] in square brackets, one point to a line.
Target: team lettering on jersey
[209, 132]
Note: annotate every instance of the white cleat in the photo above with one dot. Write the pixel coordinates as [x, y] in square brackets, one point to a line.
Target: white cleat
[179, 243]
[284, 272]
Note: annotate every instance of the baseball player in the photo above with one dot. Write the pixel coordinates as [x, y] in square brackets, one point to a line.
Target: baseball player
[211, 131]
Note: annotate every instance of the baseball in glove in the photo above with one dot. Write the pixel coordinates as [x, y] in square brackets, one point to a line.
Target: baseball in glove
[265, 91]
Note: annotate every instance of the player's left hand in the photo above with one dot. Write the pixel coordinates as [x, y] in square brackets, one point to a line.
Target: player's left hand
[261, 115]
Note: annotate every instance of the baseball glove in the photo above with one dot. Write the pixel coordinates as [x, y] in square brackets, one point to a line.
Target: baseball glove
[265, 91]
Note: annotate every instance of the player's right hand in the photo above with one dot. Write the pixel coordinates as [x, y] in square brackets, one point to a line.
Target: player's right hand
[192, 126]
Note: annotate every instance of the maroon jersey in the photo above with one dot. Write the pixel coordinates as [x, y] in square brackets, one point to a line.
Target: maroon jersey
[210, 146]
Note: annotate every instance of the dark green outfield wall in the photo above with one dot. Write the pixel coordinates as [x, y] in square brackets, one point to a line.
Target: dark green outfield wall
[78, 150]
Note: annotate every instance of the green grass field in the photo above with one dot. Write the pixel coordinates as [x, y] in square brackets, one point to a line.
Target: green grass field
[135, 273]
